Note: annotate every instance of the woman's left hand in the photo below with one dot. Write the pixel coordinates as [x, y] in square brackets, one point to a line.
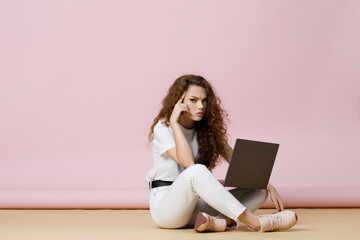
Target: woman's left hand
[275, 198]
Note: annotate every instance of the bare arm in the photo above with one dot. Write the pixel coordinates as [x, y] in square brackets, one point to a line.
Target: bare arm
[275, 198]
[228, 153]
[182, 153]
[227, 157]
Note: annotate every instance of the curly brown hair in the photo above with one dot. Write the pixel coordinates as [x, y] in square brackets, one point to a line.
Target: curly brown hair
[211, 130]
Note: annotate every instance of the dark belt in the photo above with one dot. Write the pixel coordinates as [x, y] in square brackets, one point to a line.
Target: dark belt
[159, 183]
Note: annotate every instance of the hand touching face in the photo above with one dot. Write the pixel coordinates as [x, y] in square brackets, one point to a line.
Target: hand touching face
[195, 100]
[179, 107]
[192, 104]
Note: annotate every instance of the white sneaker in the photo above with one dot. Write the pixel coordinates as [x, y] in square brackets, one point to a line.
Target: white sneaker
[205, 222]
[278, 221]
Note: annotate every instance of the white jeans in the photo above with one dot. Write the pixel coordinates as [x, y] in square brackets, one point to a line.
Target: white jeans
[196, 189]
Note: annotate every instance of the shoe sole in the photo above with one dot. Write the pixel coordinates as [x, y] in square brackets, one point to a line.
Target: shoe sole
[200, 225]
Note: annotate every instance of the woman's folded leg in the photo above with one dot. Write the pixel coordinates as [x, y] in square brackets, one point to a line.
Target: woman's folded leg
[176, 206]
[252, 199]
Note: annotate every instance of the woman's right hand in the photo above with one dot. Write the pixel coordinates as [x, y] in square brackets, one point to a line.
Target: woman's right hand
[179, 107]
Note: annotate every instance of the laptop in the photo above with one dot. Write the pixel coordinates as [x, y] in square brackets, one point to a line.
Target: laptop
[251, 164]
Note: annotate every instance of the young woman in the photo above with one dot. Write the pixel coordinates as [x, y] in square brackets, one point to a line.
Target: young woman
[189, 138]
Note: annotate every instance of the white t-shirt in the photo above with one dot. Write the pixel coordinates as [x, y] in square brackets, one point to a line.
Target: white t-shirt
[164, 167]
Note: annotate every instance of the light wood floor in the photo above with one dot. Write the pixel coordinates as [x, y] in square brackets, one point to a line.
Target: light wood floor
[327, 223]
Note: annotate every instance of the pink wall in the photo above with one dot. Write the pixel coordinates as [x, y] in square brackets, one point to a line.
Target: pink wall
[81, 81]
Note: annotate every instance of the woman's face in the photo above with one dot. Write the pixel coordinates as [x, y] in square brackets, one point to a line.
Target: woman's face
[195, 99]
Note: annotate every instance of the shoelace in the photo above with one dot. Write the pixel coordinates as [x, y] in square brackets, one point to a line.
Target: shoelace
[275, 221]
[212, 224]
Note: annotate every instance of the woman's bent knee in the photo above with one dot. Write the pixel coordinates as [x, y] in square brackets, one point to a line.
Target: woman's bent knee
[264, 194]
[197, 168]
[196, 171]
[261, 195]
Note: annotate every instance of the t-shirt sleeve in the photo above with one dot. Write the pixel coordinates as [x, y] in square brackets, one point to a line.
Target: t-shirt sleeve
[163, 137]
